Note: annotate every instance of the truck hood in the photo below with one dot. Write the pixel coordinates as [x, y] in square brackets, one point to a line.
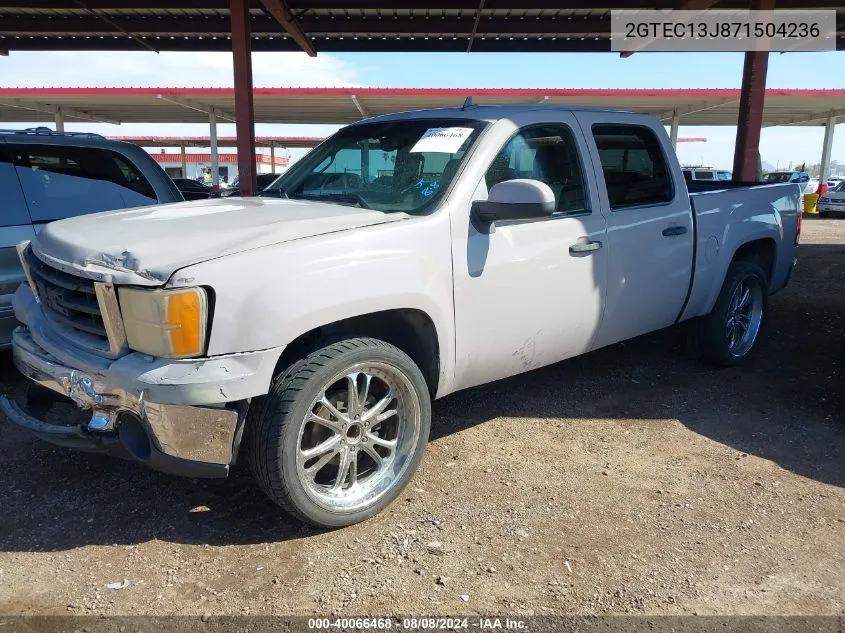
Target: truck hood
[147, 245]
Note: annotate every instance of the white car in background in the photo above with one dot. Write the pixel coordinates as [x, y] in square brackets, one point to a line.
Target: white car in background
[833, 201]
[706, 173]
[812, 186]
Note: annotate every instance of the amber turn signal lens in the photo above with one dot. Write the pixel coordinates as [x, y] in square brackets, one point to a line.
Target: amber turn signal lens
[166, 323]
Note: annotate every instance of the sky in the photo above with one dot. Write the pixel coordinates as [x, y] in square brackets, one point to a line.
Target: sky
[778, 146]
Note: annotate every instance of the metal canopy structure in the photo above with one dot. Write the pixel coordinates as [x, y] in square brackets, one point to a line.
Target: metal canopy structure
[345, 105]
[333, 25]
[288, 142]
[371, 25]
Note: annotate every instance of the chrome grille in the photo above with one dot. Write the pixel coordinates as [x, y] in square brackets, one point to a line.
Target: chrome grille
[70, 304]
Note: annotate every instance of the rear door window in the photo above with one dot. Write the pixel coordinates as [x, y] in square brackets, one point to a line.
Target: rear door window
[635, 170]
[62, 182]
[704, 175]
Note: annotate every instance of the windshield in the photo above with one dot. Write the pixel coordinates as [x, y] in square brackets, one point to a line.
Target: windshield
[389, 166]
[778, 176]
[840, 187]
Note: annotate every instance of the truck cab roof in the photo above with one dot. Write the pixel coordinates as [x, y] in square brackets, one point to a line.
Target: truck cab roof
[490, 113]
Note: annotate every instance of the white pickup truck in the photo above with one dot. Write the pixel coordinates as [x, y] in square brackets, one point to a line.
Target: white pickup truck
[405, 258]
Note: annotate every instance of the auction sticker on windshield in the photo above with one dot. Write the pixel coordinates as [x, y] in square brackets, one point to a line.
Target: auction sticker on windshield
[445, 140]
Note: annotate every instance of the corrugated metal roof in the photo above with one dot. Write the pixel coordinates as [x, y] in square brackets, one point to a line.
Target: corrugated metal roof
[222, 141]
[336, 105]
[333, 25]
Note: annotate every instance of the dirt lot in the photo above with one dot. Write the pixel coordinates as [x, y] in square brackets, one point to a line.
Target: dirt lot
[632, 480]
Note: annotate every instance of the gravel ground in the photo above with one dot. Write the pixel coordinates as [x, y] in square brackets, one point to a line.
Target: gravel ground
[631, 480]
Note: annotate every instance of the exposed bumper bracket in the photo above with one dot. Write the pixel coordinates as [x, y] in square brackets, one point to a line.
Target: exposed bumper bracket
[194, 441]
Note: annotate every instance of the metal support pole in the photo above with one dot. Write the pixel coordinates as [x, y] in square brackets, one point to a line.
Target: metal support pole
[752, 97]
[244, 110]
[673, 130]
[750, 120]
[60, 120]
[827, 147]
[272, 158]
[212, 136]
[184, 163]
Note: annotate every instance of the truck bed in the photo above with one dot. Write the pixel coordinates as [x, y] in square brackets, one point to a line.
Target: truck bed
[725, 215]
[700, 186]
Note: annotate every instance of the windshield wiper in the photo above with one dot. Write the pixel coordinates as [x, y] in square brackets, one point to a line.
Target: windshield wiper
[337, 197]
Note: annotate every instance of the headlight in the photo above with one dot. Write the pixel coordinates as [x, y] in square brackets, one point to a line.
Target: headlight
[166, 323]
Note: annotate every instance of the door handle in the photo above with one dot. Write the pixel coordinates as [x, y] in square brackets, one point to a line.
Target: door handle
[674, 230]
[581, 248]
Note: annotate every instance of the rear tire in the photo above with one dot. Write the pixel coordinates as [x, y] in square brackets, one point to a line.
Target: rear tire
[728, 335]
[341, 432]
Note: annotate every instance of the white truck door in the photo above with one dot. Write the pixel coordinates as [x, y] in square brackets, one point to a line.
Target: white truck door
[649, 224]
[531, 292]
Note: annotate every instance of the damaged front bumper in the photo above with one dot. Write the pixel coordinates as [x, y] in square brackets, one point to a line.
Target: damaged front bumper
[182, 440]
[179, 417]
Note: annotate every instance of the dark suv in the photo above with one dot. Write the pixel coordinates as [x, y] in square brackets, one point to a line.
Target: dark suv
[46, 176]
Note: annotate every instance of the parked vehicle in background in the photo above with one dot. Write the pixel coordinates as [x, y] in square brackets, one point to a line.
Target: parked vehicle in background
[834, 181]
[263, 181]
[705, 174]
[407, 257]
[194, 190]
[800, 177]
[812, 186]
[46, 176]
[833, 202]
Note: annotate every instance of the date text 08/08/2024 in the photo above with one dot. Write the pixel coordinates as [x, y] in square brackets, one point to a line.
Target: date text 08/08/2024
[418, 623]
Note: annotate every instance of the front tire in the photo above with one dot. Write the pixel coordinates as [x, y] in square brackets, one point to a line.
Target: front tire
[728, 335]
[341, 432]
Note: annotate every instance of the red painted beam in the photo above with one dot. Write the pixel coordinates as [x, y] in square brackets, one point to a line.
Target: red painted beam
[750, 119]
[534, 93]
[279, 10]
[244, 109]
[751, 100]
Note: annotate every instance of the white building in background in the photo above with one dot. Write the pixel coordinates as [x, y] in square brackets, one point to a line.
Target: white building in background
[199, 165]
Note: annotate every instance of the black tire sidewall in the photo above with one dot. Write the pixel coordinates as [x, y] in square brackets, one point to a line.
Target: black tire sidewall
[713, 344]
[285, 451]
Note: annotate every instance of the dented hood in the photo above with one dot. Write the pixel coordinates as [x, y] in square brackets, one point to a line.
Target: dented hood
[147, 245]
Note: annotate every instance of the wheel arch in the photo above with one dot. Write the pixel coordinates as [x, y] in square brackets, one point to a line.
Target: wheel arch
[761, 251]
[411, 330]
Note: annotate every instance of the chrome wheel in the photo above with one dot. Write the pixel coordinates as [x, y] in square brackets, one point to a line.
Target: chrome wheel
[744, 316]
[358, 437]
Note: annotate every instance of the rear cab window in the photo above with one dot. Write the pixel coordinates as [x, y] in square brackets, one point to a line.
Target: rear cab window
[635, 170]
[61, 182]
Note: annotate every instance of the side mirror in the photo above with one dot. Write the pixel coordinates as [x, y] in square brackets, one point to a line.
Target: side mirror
[519, 199]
